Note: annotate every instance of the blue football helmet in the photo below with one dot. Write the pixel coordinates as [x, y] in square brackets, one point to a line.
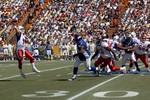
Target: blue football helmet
[78, 37]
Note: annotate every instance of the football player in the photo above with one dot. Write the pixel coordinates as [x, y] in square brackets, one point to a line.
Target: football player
[20, 50]
[35, 48]
[141, 52]
[48, 49]
[105, 47]
[83, 55]
[129, 53]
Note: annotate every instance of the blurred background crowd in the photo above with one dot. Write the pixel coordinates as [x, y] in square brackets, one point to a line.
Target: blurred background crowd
[55, 22]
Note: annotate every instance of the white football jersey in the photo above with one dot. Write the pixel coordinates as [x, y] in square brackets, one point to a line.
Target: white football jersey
[20, 41]
[114, 45]
[108, 41]
[142, 47]
[103, 51]
[135, 39]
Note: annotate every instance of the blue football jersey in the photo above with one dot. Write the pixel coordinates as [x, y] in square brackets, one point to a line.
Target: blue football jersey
[86, 54]
[128, 44]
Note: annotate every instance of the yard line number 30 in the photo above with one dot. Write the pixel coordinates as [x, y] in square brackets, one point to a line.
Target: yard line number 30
[58, 93]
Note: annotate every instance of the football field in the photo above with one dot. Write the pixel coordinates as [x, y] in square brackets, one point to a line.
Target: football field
[52, 83]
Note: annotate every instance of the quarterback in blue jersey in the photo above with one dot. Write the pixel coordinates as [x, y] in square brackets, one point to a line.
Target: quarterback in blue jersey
[83, 55]
[129, 53]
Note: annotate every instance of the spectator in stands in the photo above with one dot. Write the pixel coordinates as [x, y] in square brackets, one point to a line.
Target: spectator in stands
[30, 17]
[32, 3]
[10, 51]
[5, 50]
[89, 17]
[41, 2]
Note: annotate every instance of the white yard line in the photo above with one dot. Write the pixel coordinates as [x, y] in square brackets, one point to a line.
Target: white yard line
[94, 87]
[46, 70]
[27, 63]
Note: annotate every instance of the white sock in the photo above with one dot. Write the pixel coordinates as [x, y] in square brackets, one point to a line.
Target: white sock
[97, 68]
[33, 65]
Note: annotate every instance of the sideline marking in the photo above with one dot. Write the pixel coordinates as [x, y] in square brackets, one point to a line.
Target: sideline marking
[94, 87]
[46, 70]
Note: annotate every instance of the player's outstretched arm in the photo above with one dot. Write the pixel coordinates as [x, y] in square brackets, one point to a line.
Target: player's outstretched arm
[131, 48]
[95, 54]
[111, 50]
[17, 30]
[122, 47]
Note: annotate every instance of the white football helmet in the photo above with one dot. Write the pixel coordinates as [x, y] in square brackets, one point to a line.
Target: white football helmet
[116, 37]
[129, 36]
[133, 34]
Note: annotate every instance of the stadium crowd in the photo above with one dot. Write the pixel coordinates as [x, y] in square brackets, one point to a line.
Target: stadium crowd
[11, 11]
[59, 21]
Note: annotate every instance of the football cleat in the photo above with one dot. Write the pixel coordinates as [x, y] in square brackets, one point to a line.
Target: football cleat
[97, 73]
[36, 70]
[123, 69]
[148, 69]
[73, 78]
[22, 74]
[138, 69]
[108, 70]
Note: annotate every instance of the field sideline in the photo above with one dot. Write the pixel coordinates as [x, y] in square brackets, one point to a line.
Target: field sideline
[52, 83]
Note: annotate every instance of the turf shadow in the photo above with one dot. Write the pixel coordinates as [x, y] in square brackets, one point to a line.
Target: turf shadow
[14, 80]
[61, 80]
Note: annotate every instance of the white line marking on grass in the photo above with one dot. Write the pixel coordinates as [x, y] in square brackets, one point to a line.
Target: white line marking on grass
[92, 88]
[25, 63]
[58, 75]
[46, 70]
[4, 66]
[69, 73]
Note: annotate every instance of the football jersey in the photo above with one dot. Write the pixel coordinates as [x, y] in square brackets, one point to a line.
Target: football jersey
[130, 43]
[109, 41]
[20, 41]
[142, 47]
[35, 46]
[92, 47]
[48, 47]
[86, 54]
[114, 45]
[103, 51]
[135, 39]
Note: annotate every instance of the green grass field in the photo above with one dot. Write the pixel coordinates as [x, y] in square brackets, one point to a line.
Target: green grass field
[52, 83]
